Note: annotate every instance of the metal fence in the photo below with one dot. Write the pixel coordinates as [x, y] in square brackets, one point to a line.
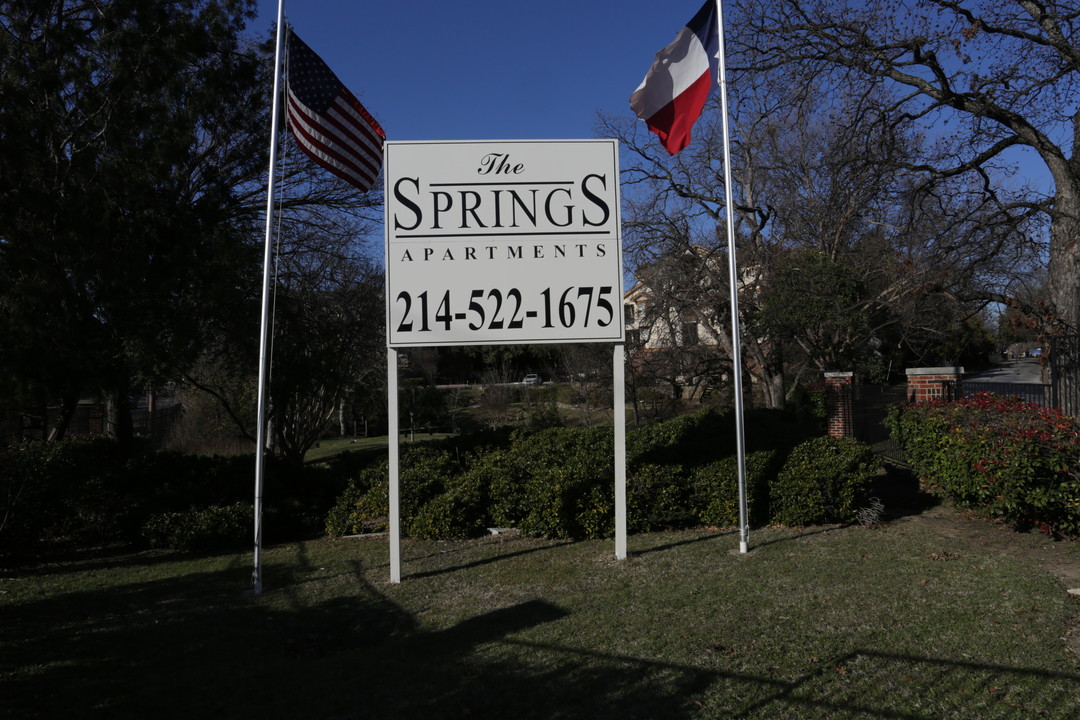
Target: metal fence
[1065, 373]
[1062, 392]
[1037, 393]
[89, 419]
[869, 406]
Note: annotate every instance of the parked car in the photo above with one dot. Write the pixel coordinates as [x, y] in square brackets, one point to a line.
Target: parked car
[531, 379]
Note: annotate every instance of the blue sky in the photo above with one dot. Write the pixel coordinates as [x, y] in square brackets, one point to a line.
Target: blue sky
[481, 69]
[492, 69]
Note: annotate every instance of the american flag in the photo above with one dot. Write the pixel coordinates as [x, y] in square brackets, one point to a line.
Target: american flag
[328, 122]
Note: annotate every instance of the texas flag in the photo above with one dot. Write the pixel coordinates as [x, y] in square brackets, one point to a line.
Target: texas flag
[673, 93]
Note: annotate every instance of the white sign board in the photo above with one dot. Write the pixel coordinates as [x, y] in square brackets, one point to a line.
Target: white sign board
[507, 241]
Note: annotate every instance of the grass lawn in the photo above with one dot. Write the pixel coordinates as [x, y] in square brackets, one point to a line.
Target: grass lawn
[891, 622]
[333, 446]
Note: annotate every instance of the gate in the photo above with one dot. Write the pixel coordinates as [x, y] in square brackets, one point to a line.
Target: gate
[870, 404]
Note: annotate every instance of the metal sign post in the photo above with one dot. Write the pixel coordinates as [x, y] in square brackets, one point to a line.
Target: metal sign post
[394, 439]
[619, 381]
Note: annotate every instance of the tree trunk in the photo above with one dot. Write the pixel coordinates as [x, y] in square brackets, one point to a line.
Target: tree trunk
[773, 387]
[765, 367]
[1064, 267]
[69, 402]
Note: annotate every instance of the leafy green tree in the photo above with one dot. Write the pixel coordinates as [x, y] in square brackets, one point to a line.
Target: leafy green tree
[128, 132]
[968, 344]
[816, 305]
[133, 140]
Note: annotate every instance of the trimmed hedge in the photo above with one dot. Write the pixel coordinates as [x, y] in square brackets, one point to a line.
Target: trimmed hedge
[364, 504]
[824, 480]
[568, 482]
[459, 512]
[716, 488]
[1007, 458]
[84, 491]
[213, 528]
[559, 482]
[658, 497]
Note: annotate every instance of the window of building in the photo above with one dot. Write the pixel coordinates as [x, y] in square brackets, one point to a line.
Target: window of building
[690, 334]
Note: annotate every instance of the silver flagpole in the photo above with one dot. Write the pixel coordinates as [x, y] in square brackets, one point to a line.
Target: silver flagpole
[733, 275]
[264, 327]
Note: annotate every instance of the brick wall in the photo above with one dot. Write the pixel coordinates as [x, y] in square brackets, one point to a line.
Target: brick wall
[924, 384]
[838, 403]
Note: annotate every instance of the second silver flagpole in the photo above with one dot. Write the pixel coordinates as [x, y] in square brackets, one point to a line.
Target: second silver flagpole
[733, 275]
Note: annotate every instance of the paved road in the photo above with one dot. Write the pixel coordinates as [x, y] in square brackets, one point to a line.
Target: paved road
[1027, 370]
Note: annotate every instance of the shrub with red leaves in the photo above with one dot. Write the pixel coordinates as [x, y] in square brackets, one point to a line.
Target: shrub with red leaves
[1012, 459]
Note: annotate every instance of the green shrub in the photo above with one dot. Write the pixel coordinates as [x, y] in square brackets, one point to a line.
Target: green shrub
[708, 436]
[559, 482]
[823, 480]
[507, 493]
[75, 489]
[565, 502]
[1010, 459]
[657, 497]
[716, 489]
[364, 504]
[567, 478]
[174, 482]
[214, 528]
[459, 512]
[426, 472]
[687, 440]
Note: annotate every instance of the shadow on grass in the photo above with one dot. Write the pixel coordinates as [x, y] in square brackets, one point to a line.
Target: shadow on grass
[191, 646]
[549, 545]
[59, 559]
[899, 491]
[817, 530]
[690, 541]
[861, 683]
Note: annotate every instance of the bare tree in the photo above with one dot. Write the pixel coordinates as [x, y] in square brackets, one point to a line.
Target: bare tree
[982, 79]
[820, 167]
[327, 327]
[327, 313]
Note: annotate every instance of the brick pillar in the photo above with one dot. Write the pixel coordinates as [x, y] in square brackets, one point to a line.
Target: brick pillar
[838, 411]
[925, 384]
